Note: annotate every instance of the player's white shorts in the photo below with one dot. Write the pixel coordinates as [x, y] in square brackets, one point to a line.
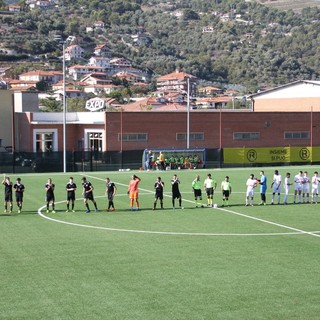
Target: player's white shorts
[306, 188]
[250, 193]
[297, 187]
[276, 188]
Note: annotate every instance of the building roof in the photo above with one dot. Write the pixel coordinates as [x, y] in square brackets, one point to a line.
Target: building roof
[176, 75]
[296, 89]
[24, 88]
[40, 73]
[215, 99]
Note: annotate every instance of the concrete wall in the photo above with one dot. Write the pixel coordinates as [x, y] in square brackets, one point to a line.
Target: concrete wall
[287, 104]
[26, 101]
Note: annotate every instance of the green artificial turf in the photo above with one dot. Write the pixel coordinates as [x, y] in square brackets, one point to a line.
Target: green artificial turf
[238, 262]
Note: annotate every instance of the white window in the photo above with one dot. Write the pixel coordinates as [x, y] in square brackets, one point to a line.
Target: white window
[94, 140]
[45, 140]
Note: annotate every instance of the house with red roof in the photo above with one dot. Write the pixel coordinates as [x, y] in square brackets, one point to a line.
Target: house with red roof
[177, 81]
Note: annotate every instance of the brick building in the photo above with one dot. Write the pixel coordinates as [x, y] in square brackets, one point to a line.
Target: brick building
[277, 120]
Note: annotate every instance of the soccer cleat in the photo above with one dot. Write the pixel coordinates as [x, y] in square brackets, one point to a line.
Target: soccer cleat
[113, 209]
[47, 211]
[19, 211]
[53, 211]
[107, 210]
[87, 211]
[67, 210]
[96, 210]
[73, 210]
[137, 209]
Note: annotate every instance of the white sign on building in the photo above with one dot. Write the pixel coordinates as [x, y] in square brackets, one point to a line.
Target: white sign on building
[95, 104]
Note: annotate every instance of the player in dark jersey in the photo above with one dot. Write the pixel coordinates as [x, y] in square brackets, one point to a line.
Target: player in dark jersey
[19, 188]
[111, 190]
[158, 185]
[71, 188]
[7, 194]
[175, 191]
[49, 187]
[88, 194]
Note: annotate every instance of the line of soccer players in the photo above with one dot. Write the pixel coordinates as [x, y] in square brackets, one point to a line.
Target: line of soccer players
[111, 189]
[301, 182]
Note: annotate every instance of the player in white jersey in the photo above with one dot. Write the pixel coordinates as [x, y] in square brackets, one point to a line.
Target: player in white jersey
[251, 184]
[298, 182]
[315, 187]
[305, 187]
[286, 187]
[276, 185]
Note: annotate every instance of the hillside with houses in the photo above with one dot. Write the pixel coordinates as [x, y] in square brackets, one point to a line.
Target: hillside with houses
[120, 49]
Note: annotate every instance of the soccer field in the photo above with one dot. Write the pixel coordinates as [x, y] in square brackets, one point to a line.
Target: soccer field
[236, 262]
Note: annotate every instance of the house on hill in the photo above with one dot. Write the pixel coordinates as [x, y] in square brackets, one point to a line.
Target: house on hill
[102, 50]
[209, 91]
[76, 72]
[73, 52]
[177, 81]
[34, 77]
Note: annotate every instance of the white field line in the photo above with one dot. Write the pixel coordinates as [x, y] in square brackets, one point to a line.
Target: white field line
[165, 232]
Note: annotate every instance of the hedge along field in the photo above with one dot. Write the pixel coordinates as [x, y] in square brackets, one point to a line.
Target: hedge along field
[237, 262]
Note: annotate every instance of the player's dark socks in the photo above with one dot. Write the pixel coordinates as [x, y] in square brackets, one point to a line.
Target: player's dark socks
[180, 202]
[87, 206]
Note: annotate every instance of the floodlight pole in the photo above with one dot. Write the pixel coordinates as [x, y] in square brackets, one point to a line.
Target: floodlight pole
[64, 111]
[188, 113]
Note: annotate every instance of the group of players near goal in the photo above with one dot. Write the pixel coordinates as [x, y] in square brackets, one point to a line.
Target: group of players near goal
[301, 182]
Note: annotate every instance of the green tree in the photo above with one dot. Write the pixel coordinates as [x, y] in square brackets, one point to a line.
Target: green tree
[50, 105]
